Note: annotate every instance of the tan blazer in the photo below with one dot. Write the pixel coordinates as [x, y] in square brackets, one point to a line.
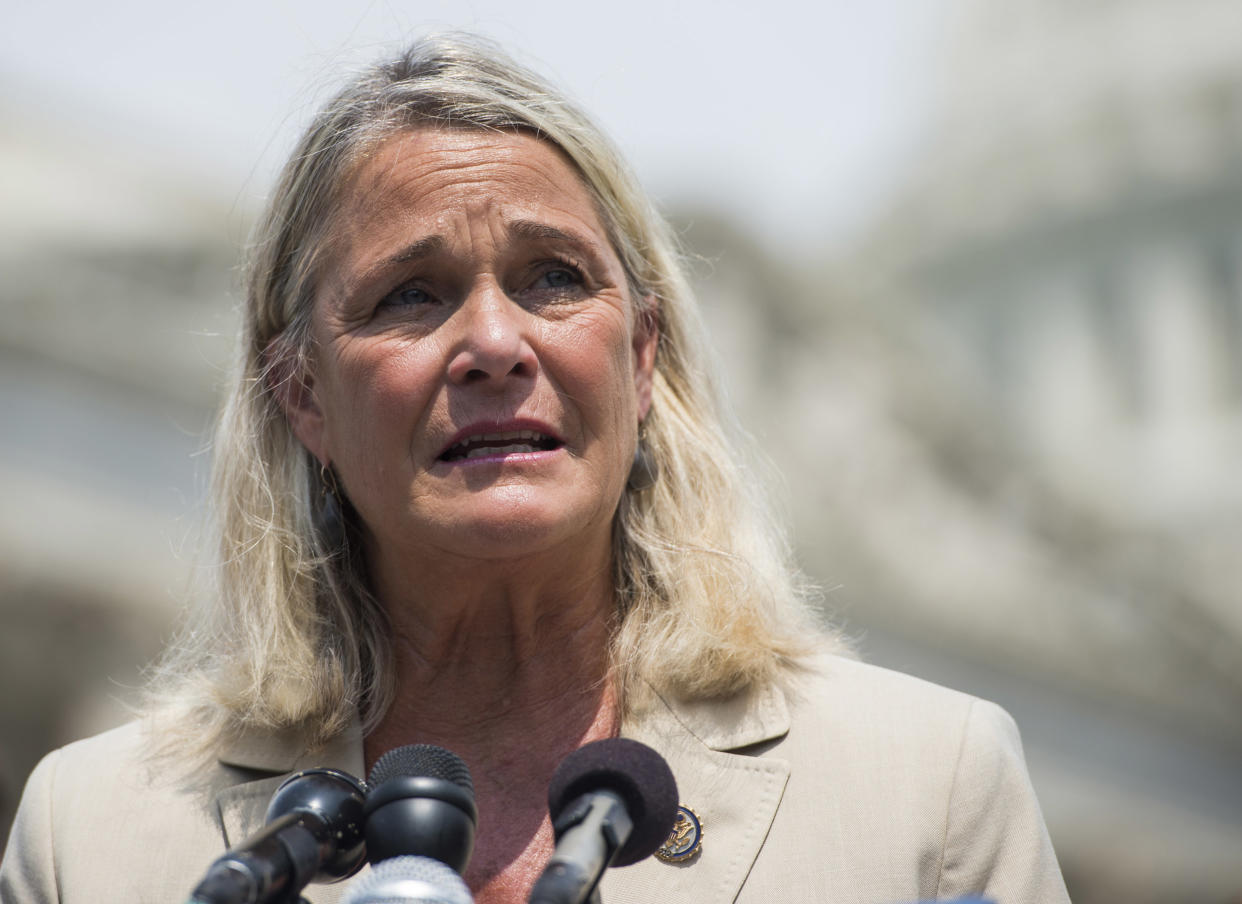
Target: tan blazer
[862, 786]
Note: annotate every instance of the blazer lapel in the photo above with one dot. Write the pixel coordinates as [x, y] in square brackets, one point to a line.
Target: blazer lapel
[261, 762]
[242, 807]
[736, 796]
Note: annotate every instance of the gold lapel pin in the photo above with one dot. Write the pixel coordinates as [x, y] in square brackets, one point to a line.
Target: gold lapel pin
[685, 840]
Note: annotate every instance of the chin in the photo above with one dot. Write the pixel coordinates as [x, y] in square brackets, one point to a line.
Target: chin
[513, 522]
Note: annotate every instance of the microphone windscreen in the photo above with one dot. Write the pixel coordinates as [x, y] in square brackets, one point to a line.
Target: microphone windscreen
[408, 880]
[634, 772]
[422, 760]
[420, 802]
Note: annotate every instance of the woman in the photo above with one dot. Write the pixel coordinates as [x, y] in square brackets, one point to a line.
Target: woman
[474, 490]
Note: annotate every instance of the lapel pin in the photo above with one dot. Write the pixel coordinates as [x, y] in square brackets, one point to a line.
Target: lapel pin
[685, 840]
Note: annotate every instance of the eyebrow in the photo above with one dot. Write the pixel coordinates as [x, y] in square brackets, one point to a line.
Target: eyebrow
[528, 230]
[533, 230]
[422, 248]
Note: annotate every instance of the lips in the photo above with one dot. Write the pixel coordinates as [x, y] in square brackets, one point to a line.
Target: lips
[499, 443]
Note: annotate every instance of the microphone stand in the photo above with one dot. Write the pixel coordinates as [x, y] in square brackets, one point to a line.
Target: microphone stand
[602, 823]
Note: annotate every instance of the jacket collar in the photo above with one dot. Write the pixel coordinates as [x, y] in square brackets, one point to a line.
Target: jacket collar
[727, 723]
[259, 762]
[288, 751]
[735, 795]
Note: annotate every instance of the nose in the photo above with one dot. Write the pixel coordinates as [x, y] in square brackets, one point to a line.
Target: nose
[492, 340]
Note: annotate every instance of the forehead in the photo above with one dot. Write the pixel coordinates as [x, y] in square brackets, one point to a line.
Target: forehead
[426, 178]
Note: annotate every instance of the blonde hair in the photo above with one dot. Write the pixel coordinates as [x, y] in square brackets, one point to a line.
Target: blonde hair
[708, 602]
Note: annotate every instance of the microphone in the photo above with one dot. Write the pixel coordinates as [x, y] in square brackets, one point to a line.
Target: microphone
[313, 832]
[408, 880]
[421, 803]
[612, 803]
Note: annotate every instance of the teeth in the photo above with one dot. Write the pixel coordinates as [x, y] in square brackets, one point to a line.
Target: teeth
[481, 451]
[518, 441]
[497, 437]
[514, 434]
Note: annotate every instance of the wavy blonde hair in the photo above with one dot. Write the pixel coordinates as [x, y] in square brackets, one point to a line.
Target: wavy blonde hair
[708, 602]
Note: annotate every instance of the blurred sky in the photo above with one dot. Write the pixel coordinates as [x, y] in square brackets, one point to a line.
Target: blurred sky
[790, 116]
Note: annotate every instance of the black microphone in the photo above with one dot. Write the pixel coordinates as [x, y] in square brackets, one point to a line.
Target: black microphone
[313, 832]
[408, 880]
[612, 803]
[421, 803]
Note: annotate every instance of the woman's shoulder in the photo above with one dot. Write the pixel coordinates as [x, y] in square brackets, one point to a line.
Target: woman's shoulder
[869, 714]
[92, 771]
[834, 698]
[116, 771]
[108, 799]
[833, 686]
[836, 673]
[934, 772]
[864, 778]
[122, 761]
[114, 748]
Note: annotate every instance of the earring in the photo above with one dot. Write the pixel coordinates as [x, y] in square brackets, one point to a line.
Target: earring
[327, 515]
[645, 470]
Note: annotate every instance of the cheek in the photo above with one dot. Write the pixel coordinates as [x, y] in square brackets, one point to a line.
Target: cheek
[378, 398]
[597, 373]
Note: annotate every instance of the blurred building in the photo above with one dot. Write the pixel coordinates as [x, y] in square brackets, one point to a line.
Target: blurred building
[115, 325]
[1014, 434]
[1078, 202]
[1072, 245]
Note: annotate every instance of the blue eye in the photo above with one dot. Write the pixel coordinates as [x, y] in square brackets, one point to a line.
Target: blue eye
[555, 282]
[406, 296]
[558, 278]
[561, 277]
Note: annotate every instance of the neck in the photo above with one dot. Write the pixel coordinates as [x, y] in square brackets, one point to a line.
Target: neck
[512, 703]
[507, 665]
[500, 634]
[482, 643]
[498, 668]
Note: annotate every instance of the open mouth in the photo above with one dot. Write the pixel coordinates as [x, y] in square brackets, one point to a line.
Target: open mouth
[490, 445]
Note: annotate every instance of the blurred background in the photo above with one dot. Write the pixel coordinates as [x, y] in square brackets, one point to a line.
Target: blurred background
[974, 271]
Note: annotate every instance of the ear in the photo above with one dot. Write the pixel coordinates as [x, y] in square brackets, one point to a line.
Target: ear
[288, 378]
[646, 341]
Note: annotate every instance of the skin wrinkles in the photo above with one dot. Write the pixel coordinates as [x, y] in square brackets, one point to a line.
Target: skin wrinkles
[381, 191]
[468, 212]
[469, 282]
[579, 245]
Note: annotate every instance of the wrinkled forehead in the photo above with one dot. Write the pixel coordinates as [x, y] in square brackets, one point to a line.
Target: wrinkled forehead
[418, 182]
[439, 166]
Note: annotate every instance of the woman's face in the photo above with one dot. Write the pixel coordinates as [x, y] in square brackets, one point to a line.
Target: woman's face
[479, 371]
